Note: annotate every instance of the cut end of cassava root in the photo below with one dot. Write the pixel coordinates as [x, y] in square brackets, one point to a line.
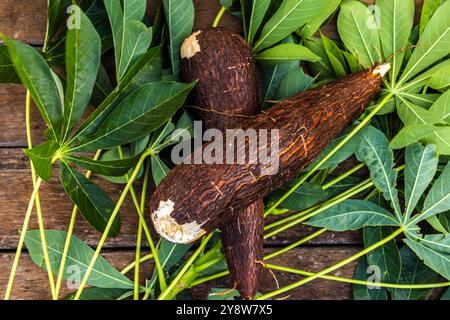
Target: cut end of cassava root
[382, 69]
[169, 229]
[190, 46]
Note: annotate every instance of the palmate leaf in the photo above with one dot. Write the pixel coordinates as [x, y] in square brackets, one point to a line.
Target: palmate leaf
[375, 152]
[290, 15]
[334, 55]
[352, 215]
[441, 138]
[140, 113]
[358, 31]
[420, 168]
[413, 272]
[428, 9]
[439, 261]
[361, 292]
[41, 156]
[146, 69]
[128, 152]
[82, 63]
[386, 257]
[286, 52]
[180, 21]
[78, 258]
[397, 20]
[432, 45]
[439, 242]
[36, 76]
[94, 204]
[438, 198]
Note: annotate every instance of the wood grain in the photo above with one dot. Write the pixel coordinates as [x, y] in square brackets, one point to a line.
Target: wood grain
[32, 282]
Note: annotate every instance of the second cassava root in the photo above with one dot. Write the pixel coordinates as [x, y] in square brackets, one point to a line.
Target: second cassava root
[228, 89]
[195, 199]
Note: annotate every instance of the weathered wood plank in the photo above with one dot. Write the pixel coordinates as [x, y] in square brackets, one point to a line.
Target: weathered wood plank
[32, 282]
[25, 20]
[15, 177]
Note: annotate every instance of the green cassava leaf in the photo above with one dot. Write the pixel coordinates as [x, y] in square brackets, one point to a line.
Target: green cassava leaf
[397, 20]
[272, 75]
[352, 215]
[441, 108]
[433, 43]
[95, 205]
[140, 113]
[413, 272]
[428, 8]
[374, 151]
[439, 242]
[114, 168]
[410, 114]
[294, 82]
[286, 52]
[82, 63]
[437, 260]
[322, 68]
[35, 74]
[7, 72]
[334, 55]
[159, 169]
[56, 13]
[290, 15]
[313, 26]
[180, 21]
[146, 69]
[184, 129]
[364, 273]
[256, 15]
[410, 134]
[128, 152]
[387, 257]
[359, 32]
[420, 167]
[441, 138]
[41, 156]
[438, 198]
[103, 275]
[131, 37]
[169, 254]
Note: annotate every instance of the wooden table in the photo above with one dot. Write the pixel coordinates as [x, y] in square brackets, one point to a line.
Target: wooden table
[25, 20]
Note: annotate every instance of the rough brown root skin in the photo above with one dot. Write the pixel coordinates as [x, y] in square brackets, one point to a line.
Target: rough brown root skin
[242, 241]
[211, 195]
[228, 89]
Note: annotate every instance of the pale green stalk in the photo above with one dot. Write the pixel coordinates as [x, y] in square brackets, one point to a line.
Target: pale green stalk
[109, 225]
[73, 218]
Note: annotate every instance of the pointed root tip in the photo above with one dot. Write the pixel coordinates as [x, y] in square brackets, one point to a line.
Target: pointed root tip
[382, 69]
